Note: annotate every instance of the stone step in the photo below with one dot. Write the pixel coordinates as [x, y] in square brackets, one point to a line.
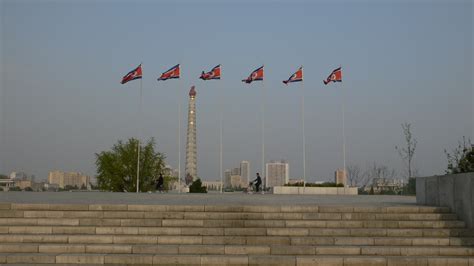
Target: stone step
[235, 239]
[162, 231]
[223, 208]
[238, 249]
[74, 215]
[131, 259]
[299, 227]
[374, 232]
[38, 217]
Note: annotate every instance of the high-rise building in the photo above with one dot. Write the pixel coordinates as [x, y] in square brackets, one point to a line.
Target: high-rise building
[340, 177]
[278, 173]
[191, 145]
[235, 181]
[236, 171]
[227, 175]
[63, 179]
[245, 171]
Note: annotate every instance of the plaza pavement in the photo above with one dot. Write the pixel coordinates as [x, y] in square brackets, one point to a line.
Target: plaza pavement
[234, 198]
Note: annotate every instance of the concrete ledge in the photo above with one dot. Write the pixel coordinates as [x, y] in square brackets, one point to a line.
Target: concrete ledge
[315, 190]
[453, 191]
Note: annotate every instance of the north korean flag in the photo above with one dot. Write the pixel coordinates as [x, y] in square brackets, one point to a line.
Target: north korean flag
[215, 73]
[134, 74]
[335, 76]
[172, 73]
[257, 74]
[296, 77]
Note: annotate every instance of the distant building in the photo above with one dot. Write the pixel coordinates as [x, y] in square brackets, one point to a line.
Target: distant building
[386, 184]
[340, 177]
[22, 184]
[295, 181]
[6, 184]
[227, 175]
[18, 176]
[169, 171]
[278, 173]
[235, 181]
[63, 179]
[245, 171]
[212, 185]
[235, 171]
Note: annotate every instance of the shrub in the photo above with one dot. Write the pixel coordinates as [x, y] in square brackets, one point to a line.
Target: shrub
[196, 187]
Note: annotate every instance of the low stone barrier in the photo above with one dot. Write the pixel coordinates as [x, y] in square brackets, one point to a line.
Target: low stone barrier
[453, 191]
[316, 190]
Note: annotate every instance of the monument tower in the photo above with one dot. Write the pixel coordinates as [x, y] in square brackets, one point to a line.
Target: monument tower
[191, 145]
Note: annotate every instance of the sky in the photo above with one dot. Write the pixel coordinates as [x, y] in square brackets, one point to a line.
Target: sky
[61, 63]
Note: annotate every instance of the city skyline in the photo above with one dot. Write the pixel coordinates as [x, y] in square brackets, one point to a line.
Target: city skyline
[61, 101]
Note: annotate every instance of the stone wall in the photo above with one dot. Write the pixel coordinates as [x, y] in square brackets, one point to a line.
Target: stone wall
[315, 190]
[453, 191]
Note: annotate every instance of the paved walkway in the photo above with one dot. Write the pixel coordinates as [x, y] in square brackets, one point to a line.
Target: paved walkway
[201, 199]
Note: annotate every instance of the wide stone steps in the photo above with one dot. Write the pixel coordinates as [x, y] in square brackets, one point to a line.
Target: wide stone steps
[166, 259]
[248, 235]
[223, 227]
[236, 240]
[238, 249]
[74, 216]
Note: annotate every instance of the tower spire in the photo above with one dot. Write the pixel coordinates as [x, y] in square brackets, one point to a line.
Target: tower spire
[191, 145]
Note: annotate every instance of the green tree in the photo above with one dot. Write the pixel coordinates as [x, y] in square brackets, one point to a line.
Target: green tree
[117, 168]
[461, 159]
[196, 187]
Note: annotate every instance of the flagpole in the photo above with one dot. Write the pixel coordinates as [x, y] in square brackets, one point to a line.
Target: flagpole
[139, 134]
[179, 142]
[263, 136]
[221, 137]
[343, 132]
[304, 135]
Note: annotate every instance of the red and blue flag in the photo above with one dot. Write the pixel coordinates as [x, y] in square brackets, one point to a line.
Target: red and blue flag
[132, 75]
[257, 74]
[215, 73]
[172, 73]
[335, 76]
[296, 77]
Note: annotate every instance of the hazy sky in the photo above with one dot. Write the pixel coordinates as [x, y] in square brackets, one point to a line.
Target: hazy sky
[62, 62]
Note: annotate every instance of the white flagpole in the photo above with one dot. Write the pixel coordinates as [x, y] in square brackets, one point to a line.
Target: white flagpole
[179, 138]
[221, 136]
[139, 134]
[343, 132]
[263, 135]
[179, 145]
[304, 135]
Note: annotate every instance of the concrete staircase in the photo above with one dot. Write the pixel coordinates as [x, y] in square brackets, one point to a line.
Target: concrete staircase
[219, 235]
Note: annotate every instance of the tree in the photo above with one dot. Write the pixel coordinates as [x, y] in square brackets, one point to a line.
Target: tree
[461, 159]
[379, 171]
[196, 187]
[117, 168]
[354, 175]
[407, 152]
